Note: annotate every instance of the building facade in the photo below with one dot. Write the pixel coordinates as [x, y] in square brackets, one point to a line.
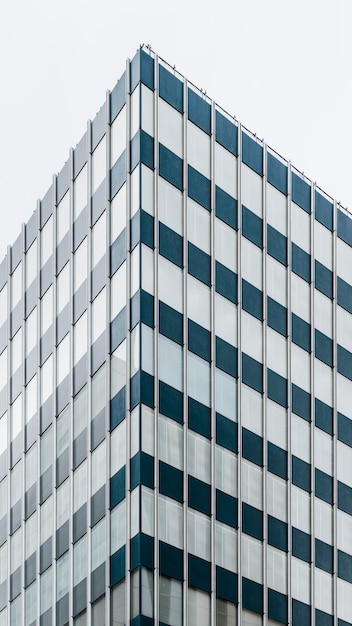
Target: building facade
[176, 379]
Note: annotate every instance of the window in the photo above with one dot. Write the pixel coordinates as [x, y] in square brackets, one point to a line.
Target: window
[198, 302]
[80, 561]
[170, 205]
[47, 311]
[118, 448]
[118, 291]
[62, 576]
[31, 467]
[80, 192]
[63, 217]
[198, 226]
[170, 442]
[46, 520]
[225, 245]
[225, 471]
[62, 289]
[225, 394]
[80, 412]
[80, 486]
[225, 170]
[118, 369]
[31, 267]
[198, 375]
[62, 503]
[170, 522]
[98, 467]
[80, 266]
[277, 497]
[118, 527]
[118, 214]
[199, 613]
[62, 431]
[16, 483]
[47, 379]
[170, 128]
[170, 363]
[98, 544]
[31, 535]
[277, 570]
[198, 534]
[198, 456]
[300, 580]
[63, 360]
[252, 484]
[252, 559]
[170, 601]
[16, 547]
[46, 590]
[98, 240]
[98, 315]
[98, 165]
[46, 242]
[251, 190]
[118, 135]
[16, 351]
[170, 284]
[31, 331]
[16, 286]
[80, 338]
[225, 547]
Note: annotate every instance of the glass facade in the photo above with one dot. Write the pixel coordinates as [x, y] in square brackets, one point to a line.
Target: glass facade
[176, 379]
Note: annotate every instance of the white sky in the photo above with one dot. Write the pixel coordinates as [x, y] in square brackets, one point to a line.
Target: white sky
[283, 68]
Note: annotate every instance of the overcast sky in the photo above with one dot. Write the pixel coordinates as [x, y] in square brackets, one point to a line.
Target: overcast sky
[283, 68]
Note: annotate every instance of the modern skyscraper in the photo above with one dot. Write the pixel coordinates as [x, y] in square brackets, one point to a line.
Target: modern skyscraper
[176, 379]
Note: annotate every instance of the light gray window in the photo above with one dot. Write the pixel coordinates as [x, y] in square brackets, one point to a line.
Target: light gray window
[46, 590]
[31, 603]
[62, 576]
[98, 544]
[118, 527]
[79, 561]
[80, 412]
[170, 601]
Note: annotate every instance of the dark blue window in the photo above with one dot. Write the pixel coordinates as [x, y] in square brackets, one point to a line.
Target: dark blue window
[118, 329]
[323, 416]
[252, 373]
[198, 187]
[252, 521]
[170, 323]
[199, 111]
[300, 262]
[301, 403]
[300, 333]
[171, 561]
[277, 606]
[344, 429]
[344, 227]
[344, 294]
[170, 245]
[323, 348]
[300, 192]
[171, 402]
[277, 173]
[252, 300]
[324, 211]
[142, 150]
[199, 264]
[276, 245]
[226, 133]
[301, 545]
[142, 70]
[252, 154]
[199, 573]
[277, 316]
[226, 509]
[226, 357]
[344, 498]
[277, 388]
[323, 486]
[199, 495]
[118, 252]
[300, 473]
[277, 460]
[277, 533]
[323, 279]
[142, 229]
[199, 417]
[324, 619]
[225, 207]
[252, 596]
[170, 89]
[252, 227]
[344, 566]
[226, 433]
[324, 556]
[344, 362]
[226, 585]
[170, 481]
[300, 613]
[225, 282]
[199, 340]
[142, 470]
[252, 447]
[142, 309]
[118, 175]
[170, 167]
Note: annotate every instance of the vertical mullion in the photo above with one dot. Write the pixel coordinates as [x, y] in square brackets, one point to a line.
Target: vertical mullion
[239, 385]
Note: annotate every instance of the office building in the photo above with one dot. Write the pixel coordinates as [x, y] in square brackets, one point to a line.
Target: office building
[176, 379]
